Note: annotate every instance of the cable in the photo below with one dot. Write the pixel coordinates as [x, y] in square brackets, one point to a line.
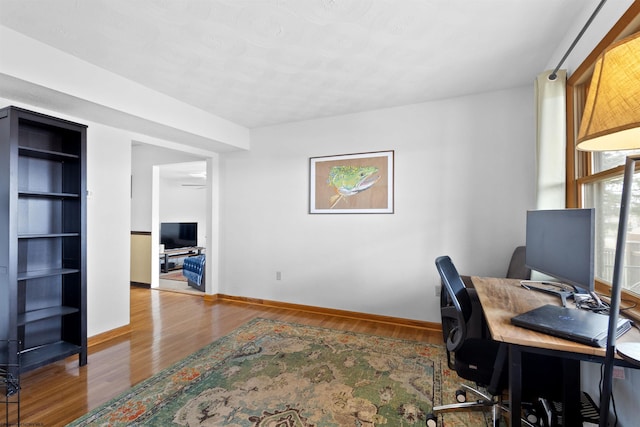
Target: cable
[615, 411]
[591, 303]
[632, 305]
[613, 401]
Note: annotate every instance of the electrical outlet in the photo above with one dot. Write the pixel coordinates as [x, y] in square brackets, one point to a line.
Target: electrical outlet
[438, 289]
[278, 275]
[618, 373]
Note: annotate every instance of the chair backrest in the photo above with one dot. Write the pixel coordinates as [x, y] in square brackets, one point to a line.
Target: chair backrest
[517, 268]
[456, 316]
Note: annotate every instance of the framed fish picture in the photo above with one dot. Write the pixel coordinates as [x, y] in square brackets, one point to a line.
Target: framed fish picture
[351, 183]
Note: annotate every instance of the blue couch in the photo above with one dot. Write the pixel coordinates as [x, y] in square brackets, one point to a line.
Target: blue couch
[193, 270]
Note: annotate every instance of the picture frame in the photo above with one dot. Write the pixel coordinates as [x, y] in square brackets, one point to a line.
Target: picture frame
[352, 183]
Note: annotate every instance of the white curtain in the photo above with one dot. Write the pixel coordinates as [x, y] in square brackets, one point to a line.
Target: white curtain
[551, 140]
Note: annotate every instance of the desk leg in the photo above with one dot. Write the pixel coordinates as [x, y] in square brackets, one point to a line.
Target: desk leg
[571, 392]
[515, 385]
[165, 268]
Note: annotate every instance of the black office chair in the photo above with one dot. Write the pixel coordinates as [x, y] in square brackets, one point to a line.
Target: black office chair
[516, 270]
[477, 359]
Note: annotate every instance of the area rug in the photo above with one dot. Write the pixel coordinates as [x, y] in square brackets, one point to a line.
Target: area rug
[174, 275]
[275, 374]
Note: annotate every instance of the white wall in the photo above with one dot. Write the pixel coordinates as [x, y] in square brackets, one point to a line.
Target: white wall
[184, 204]
[464, 178]
[108, 219]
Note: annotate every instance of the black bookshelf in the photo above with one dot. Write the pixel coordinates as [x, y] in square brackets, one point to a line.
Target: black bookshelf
[42, 237]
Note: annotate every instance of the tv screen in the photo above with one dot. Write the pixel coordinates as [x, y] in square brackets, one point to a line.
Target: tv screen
[560, 244]
[178, 234]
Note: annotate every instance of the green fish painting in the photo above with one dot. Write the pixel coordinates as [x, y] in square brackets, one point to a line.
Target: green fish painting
[350, 180]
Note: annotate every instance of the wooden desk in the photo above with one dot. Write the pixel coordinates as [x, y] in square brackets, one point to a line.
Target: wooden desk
[501, 299]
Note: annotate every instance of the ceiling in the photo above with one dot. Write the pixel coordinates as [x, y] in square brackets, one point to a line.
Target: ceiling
[259, 63]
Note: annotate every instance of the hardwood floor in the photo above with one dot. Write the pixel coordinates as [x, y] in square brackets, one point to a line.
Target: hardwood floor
[165, 327]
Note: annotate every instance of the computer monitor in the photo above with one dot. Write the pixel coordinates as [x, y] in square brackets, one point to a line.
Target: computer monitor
[560, 244]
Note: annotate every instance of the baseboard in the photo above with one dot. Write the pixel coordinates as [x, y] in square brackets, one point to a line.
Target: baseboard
[399, 321]
[109, 335]
[141, 285]
[428, 326]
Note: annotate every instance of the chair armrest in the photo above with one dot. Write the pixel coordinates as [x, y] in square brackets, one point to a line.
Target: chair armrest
[477, 325]
[453, 327]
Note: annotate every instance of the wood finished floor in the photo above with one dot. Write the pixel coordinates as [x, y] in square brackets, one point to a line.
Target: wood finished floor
[165, 327]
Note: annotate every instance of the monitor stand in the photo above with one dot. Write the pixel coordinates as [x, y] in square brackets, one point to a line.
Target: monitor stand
[554, 288]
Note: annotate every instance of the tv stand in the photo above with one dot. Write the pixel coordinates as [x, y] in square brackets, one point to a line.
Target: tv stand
[178, 253]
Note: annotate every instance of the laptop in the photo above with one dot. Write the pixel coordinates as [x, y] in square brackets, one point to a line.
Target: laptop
[573, 324]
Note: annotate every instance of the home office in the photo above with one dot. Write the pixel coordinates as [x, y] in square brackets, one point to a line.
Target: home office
[458, 157]
[570, 321]
[609, 122]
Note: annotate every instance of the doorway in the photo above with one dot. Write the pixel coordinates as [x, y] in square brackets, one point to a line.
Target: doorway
[169, 185]
[183, 220]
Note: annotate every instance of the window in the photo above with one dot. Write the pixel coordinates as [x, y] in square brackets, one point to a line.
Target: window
[603, 191]
[595, 179]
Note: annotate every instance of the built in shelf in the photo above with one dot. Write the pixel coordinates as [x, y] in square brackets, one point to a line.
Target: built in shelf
[28, 275]
[45, 313]
[46, 154]
[39, 356]
[48, 195]
[47, 235]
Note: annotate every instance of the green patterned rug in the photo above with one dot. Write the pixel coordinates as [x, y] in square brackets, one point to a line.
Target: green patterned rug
[274, 374]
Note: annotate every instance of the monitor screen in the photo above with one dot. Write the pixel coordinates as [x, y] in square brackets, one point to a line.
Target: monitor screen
[560, 244]
[178, 234]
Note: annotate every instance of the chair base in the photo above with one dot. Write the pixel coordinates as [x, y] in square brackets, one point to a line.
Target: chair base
[484, 403]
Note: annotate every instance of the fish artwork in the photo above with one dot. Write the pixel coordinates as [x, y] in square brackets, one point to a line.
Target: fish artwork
[350, 180]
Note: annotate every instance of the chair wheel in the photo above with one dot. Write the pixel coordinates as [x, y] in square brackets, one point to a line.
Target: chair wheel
[431, 421]
[531, 416]
[461, 396]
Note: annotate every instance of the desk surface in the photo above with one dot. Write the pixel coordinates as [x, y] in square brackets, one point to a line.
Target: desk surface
[502, 299]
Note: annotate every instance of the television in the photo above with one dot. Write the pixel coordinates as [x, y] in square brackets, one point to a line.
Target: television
[175, 235]
[560, 244]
